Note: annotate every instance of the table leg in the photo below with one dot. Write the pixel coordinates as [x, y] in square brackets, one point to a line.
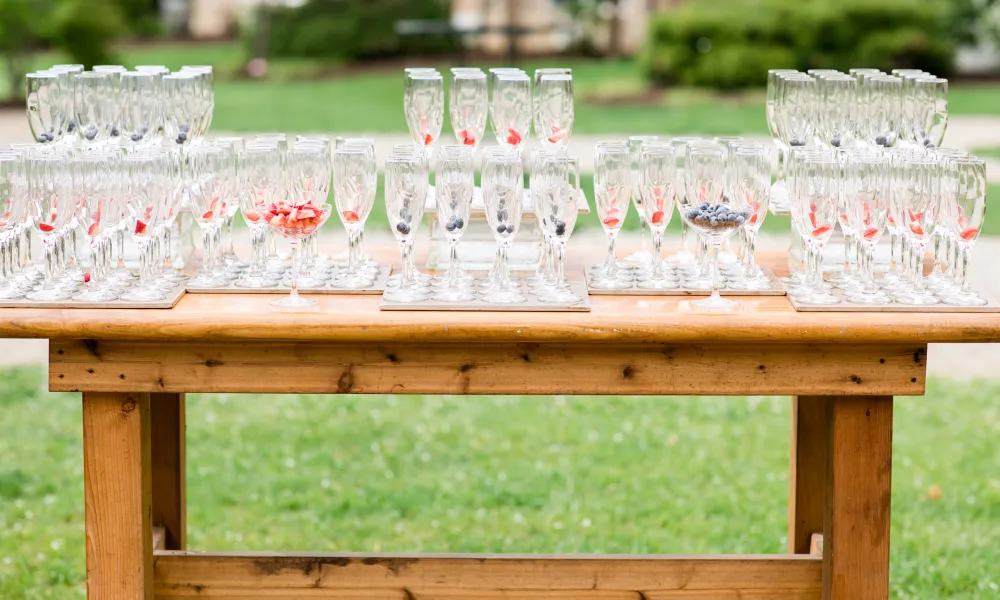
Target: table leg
[807, 476]
[117, 496]
[858, 487]
[169, 465]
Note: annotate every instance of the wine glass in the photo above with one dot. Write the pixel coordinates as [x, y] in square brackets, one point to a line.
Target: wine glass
[139, 101]
[204, 75]
[13, 211]
[553, 108]
[258, 179]
[424, 107]
[310, 169]
[96, 181]
[882, 107]
[405, 194]
[657, 185]
[966, 218]
[748, 171]
[210, 169]
[503, 195]
[838, 103]
[612, 188]
[920, 201]
[492, 84]
[468, 105]
[683, 257]
[95, 105]
[454, 184]
[147, 178]
[52, 210]
[558, 188]
[815, 210]
[866, 183]
[635, 146]
[930, 111]
[708, 210]
[45, 117]
[511, 109]
[354, 181]
[295, 218]
[181, 106]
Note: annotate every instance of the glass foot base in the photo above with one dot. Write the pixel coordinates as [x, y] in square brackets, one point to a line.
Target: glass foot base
[918, 299]
[964, 299]
[295, 303]
[714, 305]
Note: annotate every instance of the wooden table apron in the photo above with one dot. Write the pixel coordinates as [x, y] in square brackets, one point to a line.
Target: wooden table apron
[134, 367]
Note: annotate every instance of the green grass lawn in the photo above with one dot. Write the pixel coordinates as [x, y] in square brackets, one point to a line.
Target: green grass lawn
[299, 97]
[504, 474]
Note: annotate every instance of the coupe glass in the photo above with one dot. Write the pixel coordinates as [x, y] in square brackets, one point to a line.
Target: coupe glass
[558, 189]
[258, 179]
[511, 109]
[405, 194]
[96, 180]
[815, 208]
[424, 107]
[139, 100]
[748, 172]
[95, 105]
[635, 145]
[147, 178]
[966, 220]
[53, 210]
[354, 182]
[210, 172]
[309, 170]
[468, 106]
[503, 196]
[45, 117]
[930, 110]
[295, 218]
[454, 184]
[867, 201]
[657, 186]
[553, 108]
[14, 209]
[612, 188]
[920, 201]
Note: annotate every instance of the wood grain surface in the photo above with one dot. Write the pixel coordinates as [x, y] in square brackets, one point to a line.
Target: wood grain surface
[471, 577]
[807, 474]
[479, 368]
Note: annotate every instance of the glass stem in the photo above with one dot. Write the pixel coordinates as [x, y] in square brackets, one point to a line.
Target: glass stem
[50, 267]
[229, 237]
[121, 249]
[611, 266]
[643, 233]
[167, 251]
[716, 276]
[206, 260]
[657, 256]
[454, 274]
[295, 269]
[257, 259]
[918, 271]
[893, 243]
[561, 283]
[749, 247]
[936, 269]
[407, 279]
[504, 269]
[963, 252]
[684, 236]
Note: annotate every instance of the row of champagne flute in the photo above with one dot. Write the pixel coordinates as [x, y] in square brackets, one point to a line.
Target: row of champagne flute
[66, 105]
[864, 108]
[517, 102]
[923, 198]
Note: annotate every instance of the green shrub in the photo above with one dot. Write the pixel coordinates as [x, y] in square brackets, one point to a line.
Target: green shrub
[352, 29]
[85, 30]
[732, 43]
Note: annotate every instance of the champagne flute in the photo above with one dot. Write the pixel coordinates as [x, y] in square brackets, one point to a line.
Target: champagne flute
[612, 188]
[468, 106]
[503, 195]
[559, 188]
[454, 184]
[405, 194]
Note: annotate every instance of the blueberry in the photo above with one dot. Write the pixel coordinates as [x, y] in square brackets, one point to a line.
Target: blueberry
[795, 143]
[881, 141]
[402, 227]
[503, 203]
[560, 223]
[561, 230]
[928, 143]
[835, 142]
[510, 228]
[501, 215]
[703, 205]
[71, 126]
[740, 220]
[44, 137]
[90, 133]
[182, 137]
[713, 221]
[114, 131]
[183, 128]
[136, 136]
[450, 226]
[501, 228]
[459, 223]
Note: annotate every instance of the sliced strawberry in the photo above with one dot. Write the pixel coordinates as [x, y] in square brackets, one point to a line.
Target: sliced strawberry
[812, 219]
[3, 223]
[469, 141]
[350, 216]
[969, 234]
[821, 230]
[612, 211]
[307, 213]
[962, 221]
[94, 229]
[611, 221]
[277, 220]
[871, 232]
[657, 218]
[868, 214]
[557, 136]
[45, 227]
[86, 277]
[916, 228]
[252, 215]
[892, 221]
[428, 139]
[207, 214]
[812, 207]
[513, 137]
[753, 219]
[140, 228]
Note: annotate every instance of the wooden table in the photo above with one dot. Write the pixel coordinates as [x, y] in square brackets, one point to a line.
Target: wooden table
[134, 366]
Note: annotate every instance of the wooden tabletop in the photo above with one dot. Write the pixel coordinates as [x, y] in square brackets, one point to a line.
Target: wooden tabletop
[612, 319]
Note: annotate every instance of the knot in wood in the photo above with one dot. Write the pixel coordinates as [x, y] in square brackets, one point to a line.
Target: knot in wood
[128, 406]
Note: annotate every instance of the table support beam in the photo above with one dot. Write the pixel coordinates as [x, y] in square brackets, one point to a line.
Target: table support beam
[117, 496]
[807, 477]
[169, 468]
[858, 490]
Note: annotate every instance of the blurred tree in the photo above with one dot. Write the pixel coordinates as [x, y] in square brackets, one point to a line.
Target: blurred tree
[20, 24]
[141, 17]
[86, 28]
